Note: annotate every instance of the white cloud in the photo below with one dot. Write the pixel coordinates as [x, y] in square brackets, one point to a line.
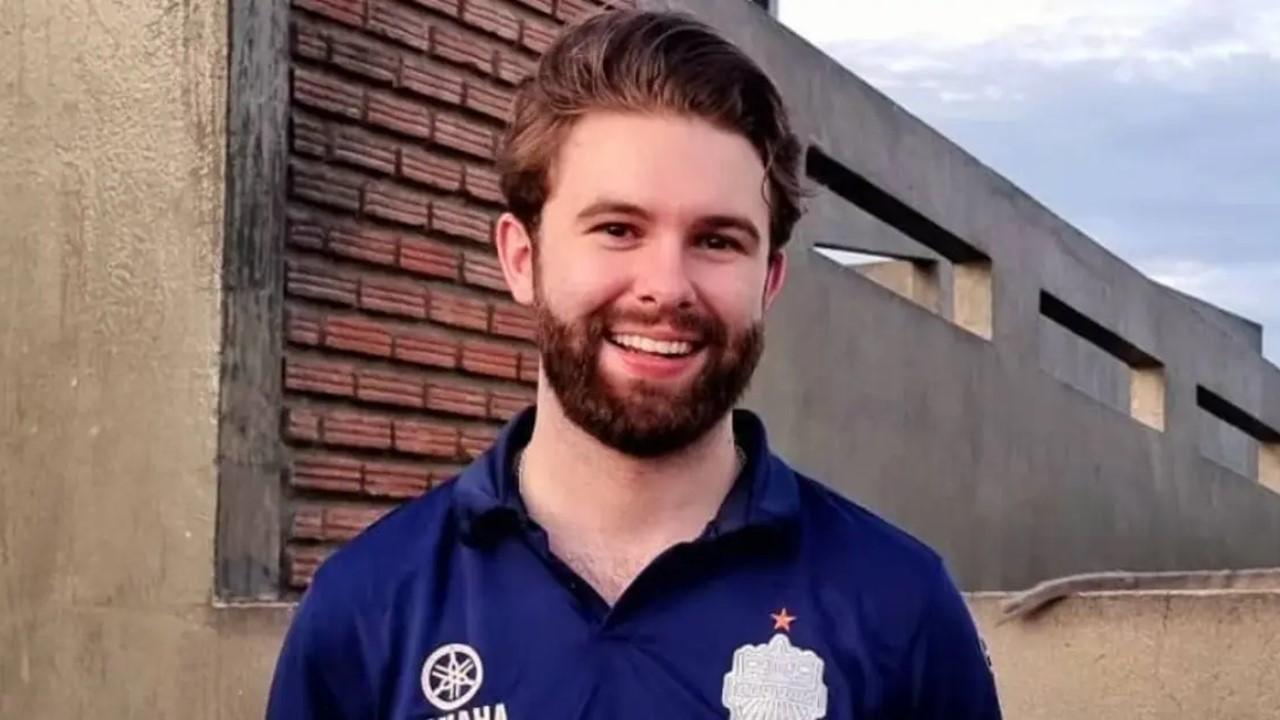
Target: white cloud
[1051, 30]
[1151, 125]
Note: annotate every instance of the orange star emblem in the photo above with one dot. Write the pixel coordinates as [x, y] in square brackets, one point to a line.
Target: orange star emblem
[782, 621]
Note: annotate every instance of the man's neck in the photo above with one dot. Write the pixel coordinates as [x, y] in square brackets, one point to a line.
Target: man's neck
[607, 513]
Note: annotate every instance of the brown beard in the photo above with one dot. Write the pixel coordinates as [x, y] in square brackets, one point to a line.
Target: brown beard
[643, 419]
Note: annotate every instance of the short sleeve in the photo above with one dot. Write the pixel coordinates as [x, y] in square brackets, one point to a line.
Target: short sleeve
[322, 672]
[949, 674]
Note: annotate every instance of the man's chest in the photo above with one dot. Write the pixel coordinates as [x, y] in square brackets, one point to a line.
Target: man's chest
[503, 648]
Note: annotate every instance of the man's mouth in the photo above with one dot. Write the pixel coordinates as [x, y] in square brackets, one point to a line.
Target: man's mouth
[652, 346]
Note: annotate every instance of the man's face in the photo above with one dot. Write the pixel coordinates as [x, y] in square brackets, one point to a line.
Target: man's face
[651, 276]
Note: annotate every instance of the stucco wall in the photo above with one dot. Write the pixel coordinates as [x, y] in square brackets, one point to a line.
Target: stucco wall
[112, 145]
[1139, 656]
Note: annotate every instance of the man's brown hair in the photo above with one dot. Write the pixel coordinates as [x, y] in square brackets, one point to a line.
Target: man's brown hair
[647, 62]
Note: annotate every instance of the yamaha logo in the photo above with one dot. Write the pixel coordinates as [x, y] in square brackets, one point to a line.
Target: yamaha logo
[451, 676]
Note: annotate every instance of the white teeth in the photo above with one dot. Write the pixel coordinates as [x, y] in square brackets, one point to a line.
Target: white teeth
[657, 347]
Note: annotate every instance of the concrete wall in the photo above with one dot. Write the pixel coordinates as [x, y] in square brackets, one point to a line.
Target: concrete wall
[991, 449]
[111, 185]
[1139, 656]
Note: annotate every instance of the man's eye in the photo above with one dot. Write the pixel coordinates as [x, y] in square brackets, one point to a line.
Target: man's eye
[617, 230]
[718, 242]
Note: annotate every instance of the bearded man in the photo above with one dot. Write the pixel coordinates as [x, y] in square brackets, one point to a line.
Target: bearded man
[630, 547]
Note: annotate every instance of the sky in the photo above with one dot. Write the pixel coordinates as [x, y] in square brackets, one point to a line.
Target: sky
[1151, 125]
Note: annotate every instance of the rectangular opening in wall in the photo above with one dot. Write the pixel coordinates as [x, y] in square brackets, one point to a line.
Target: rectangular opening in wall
[965, 271]
[913, 279]
[1084, 354]
[1236, 439]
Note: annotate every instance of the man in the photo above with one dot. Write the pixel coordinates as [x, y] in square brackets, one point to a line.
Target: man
[630, 548]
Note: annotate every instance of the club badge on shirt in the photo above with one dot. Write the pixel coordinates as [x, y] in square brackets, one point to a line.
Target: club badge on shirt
[775, 680]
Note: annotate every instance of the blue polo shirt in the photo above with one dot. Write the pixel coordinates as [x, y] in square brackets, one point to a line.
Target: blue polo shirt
[794, 603]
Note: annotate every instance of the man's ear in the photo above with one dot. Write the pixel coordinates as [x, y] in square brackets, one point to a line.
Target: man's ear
[775, 277]
[515, 252]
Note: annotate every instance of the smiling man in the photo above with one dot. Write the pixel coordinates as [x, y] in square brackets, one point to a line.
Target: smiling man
[630, 547]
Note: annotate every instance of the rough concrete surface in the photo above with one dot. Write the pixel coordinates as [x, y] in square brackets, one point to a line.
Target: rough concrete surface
[112, 145]
[1139, 656]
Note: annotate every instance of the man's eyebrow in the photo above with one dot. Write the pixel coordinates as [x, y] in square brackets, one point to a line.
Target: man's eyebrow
[611, 207]
[732, 222]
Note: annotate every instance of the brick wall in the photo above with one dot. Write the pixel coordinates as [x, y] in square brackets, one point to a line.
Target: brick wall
[404, 352]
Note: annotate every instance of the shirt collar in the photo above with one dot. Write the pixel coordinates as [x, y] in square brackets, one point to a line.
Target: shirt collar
[487, 500]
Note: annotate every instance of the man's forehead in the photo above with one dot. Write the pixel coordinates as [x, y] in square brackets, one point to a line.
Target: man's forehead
[664, 164]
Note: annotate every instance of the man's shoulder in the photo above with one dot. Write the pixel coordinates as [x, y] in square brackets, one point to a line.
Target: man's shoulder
[864, 543]
[398, 547]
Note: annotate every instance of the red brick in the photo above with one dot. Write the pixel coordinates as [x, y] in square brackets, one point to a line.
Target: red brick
[489, 359]
[342, 523]
[459, 311]
[367, 244]
[542, 6]
[514, 321]
[504, 405]
[320, 284]
[511, 68]
[404, 302]
[350, 12]
[326, 472]
[456, 48]
[490, 101]
[301, 329]
[399, 114]
[461, 222]
[308, 523]
[310, 135]
[390, 388]
[318, 376]
[363, 149]
[491, 18]
[325, 187]
[302, 562]
[361, 430]
[364, 58]
[433, 81]
[401, 23]
[302, 424]
[426, 350]
[483, 271]
[482, 183]
[425, 257]
[422, 438]
[325, 92]
[396, 203]
[309, 43]
[572, 11]
[460, 400]
[444, 7]
[307, 235]
[462, 135]
[538, 35]
[421, 166]
[476, 441]
[357, 335]
[529, 366]
[396, 480]
[393, 298]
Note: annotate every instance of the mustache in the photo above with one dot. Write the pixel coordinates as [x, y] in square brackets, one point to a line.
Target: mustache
[706, 326]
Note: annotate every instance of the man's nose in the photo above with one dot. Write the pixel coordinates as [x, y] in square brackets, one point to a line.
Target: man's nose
[662, 275]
